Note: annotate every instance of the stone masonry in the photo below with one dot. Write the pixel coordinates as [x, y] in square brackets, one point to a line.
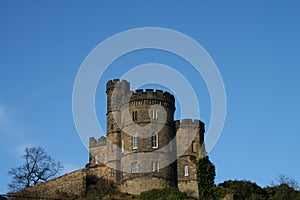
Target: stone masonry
[139, 124]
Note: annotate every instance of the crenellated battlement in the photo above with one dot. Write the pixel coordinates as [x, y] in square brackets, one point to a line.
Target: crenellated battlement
[93, 142]
[189, 123]
[152, 95]
[117, 83]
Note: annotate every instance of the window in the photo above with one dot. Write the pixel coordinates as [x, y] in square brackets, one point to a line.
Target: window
[134, 167]
[103, 158]
[194, 147]
[122, 146]
[113, 147]
[112, 172]
[96, 159]
[186, 170]
[154, 114]
[134, 116]
[154, 166]
[135, 142]
[154, 140]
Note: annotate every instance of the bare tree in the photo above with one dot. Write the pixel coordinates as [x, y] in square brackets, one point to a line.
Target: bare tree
[287, 180]
[38, 167]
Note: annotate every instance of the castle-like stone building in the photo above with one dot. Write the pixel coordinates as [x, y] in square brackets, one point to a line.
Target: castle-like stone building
[145, 148]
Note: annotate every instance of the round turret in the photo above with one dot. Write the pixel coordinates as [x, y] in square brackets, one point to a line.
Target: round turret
[147, 125]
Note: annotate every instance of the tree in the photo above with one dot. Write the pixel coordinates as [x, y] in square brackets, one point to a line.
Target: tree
[206, 171]
[283, 188]
[284, 179]
[244, 190]
[38, 167]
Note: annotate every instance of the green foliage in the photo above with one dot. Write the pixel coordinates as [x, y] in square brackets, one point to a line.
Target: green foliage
[282, 192]
[220, 192]
[206, 177]
[167, 193]
[244, 190]
[98, 188]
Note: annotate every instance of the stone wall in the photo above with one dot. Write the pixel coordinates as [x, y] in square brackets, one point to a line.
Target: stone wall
[138, 185]
[71, 185]
[190, 187]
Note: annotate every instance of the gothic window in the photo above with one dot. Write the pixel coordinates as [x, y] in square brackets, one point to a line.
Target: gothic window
[186, 170]
[154, 140]
[122, 146]
[154, 114]
[154, 166]
[135, 142]
[134, 167]
[134, 116]
[96, 159]
[194, 147]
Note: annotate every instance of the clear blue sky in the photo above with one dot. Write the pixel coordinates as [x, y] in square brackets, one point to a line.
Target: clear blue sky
[255, 44]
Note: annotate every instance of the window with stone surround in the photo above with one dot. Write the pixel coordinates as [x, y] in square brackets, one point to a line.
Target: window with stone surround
[194, 147]
[122, 146]
[134, 167]
[134, 116]
[154, 166]
[135, 142]
[154, 140]
[186, 170]
[96, 159]
[154, 114]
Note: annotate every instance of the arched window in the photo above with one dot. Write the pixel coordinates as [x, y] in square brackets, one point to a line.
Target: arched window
[154, 140]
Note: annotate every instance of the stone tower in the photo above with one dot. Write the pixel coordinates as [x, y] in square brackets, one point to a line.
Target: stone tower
[190, 146]
[115, 91]
[147, 127]
[143, 142]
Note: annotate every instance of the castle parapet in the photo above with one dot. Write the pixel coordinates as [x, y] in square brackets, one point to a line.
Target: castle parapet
[117, 83]
[189, 123]
[96, 143]
[150, 94]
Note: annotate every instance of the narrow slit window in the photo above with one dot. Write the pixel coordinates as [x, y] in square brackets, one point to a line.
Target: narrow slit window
[134, 116]
[96, 159]
[194, 147]
[154, 140]
[186, 170]
[135, 142]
